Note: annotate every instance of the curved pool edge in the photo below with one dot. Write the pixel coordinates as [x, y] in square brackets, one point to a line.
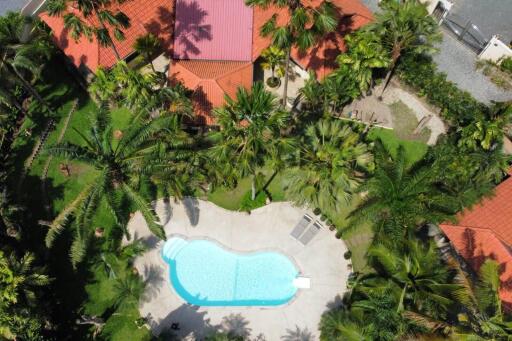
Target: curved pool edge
[298, 292]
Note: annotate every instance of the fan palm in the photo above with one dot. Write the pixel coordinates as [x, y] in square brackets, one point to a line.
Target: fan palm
[147, 46]
[120, 168]
[331, 163]
[24, 47]
[365, 53]
[304, 26]
[92, 11]
[250, 132]
[399, 197]
[404, 27]
[128, 290]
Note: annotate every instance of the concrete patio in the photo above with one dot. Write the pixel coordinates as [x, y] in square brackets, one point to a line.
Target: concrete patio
[266, 228]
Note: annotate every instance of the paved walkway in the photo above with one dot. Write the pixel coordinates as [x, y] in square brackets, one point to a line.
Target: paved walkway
[266, 228]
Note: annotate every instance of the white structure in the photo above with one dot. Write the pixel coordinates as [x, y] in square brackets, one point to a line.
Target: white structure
[495, 50]
[446, 5]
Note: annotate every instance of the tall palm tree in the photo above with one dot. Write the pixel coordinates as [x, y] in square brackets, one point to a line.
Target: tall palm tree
[250, 132]
[24, 47]
[418, 278]
[399, 197]
[404, 27]
[304, 26]
[147, 46]
[92, 11]
[332, 161]
[365, 53]
[120, 168]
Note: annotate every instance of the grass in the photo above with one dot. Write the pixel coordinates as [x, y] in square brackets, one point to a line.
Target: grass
[405, 122]
[59, 89]
[415, 150]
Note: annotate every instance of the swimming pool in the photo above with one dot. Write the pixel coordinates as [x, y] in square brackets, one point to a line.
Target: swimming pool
[205, 274]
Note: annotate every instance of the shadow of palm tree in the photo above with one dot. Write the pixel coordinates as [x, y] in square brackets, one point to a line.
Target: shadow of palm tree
[192, 209]
[190, 29]
[298, 335]
[236, 325]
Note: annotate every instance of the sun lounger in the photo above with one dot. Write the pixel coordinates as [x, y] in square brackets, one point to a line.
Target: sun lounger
[301, 226]
[310, 233]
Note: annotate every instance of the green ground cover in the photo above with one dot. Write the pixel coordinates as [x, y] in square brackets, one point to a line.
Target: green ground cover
[405, 122]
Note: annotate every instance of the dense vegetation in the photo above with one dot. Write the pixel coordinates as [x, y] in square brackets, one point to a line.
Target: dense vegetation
[76, 165]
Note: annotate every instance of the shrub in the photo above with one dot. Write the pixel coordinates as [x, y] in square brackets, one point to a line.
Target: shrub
[347, 255]
[317, 211]
[338, 234]
[506, 65]
[248, 204]
[323, 217]
[457, 106]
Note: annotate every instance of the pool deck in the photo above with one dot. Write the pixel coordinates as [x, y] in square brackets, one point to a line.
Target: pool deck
[267, 228]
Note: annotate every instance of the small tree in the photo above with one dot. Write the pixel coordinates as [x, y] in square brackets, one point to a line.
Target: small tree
[147, 46]
[274, 60]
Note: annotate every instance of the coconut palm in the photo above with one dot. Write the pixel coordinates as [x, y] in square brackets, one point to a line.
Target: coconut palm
[147, 46]
[365, 53]
[399, 197]
[404, 27]
[332, 161]
[274, 60]
[24, 47]
[250, 132]
[417, 277]
[120, 167]
[92, 11]
[304, 26]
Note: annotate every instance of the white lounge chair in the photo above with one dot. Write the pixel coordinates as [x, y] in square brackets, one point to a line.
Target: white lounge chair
[302, 282]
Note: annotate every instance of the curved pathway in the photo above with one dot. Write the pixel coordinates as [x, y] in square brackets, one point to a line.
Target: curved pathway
[268, 227]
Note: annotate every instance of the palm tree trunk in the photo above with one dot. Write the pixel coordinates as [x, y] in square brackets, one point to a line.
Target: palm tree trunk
[386, 80]
[253, 188]
[395, 55]
[28, 86]
[286, 76]
[152, 66]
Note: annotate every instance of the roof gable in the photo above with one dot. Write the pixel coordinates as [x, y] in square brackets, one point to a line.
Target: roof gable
[213, 30]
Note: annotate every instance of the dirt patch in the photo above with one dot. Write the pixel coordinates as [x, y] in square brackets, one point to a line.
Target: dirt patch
[405, 123]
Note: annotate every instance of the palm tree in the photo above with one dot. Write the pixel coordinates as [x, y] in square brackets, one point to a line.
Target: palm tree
[128, 290]
[19, 279]
[120, 168]
[417, 277]
[24, 47]
[332, 161]
[339, 324]
[92, 11]
[304, 26]
[250, 132]
[147, 46]
[399, 197]
[8, 213]
[404, 27]
[274, 60]
[365, 53]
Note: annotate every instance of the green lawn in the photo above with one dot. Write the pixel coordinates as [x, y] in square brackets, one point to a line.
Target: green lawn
[405, 122]
[415, 150]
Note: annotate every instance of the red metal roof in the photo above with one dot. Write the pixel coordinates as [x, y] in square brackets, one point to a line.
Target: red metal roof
[321, 58]
[485, 231]
[155, 16]
[213, 30]
[211, 81]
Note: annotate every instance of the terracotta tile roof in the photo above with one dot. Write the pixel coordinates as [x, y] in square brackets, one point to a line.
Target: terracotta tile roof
[485, 231]
[155, 16]
[211, 81]
[213, 30]
[321, 57]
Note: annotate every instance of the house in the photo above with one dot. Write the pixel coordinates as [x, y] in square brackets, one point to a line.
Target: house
[214, 46]
[485, 231]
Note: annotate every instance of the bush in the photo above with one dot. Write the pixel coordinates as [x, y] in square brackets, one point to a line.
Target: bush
[347, 255]
[317, 211]
[323, 217]
[338, 234]
[248, 204]
[506, 65]
[457, 106]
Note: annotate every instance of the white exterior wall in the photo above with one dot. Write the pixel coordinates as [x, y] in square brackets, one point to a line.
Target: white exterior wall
[432, 4]
[495, 50]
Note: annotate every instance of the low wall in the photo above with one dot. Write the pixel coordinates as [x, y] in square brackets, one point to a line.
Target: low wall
[495, 50]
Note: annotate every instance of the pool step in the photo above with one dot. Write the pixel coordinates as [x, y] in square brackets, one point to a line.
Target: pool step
[172, 247]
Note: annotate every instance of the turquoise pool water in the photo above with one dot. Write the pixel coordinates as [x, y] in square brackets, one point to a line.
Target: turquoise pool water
[205, 274]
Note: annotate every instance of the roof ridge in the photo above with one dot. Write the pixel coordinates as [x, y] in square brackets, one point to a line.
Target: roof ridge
[234, 70]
